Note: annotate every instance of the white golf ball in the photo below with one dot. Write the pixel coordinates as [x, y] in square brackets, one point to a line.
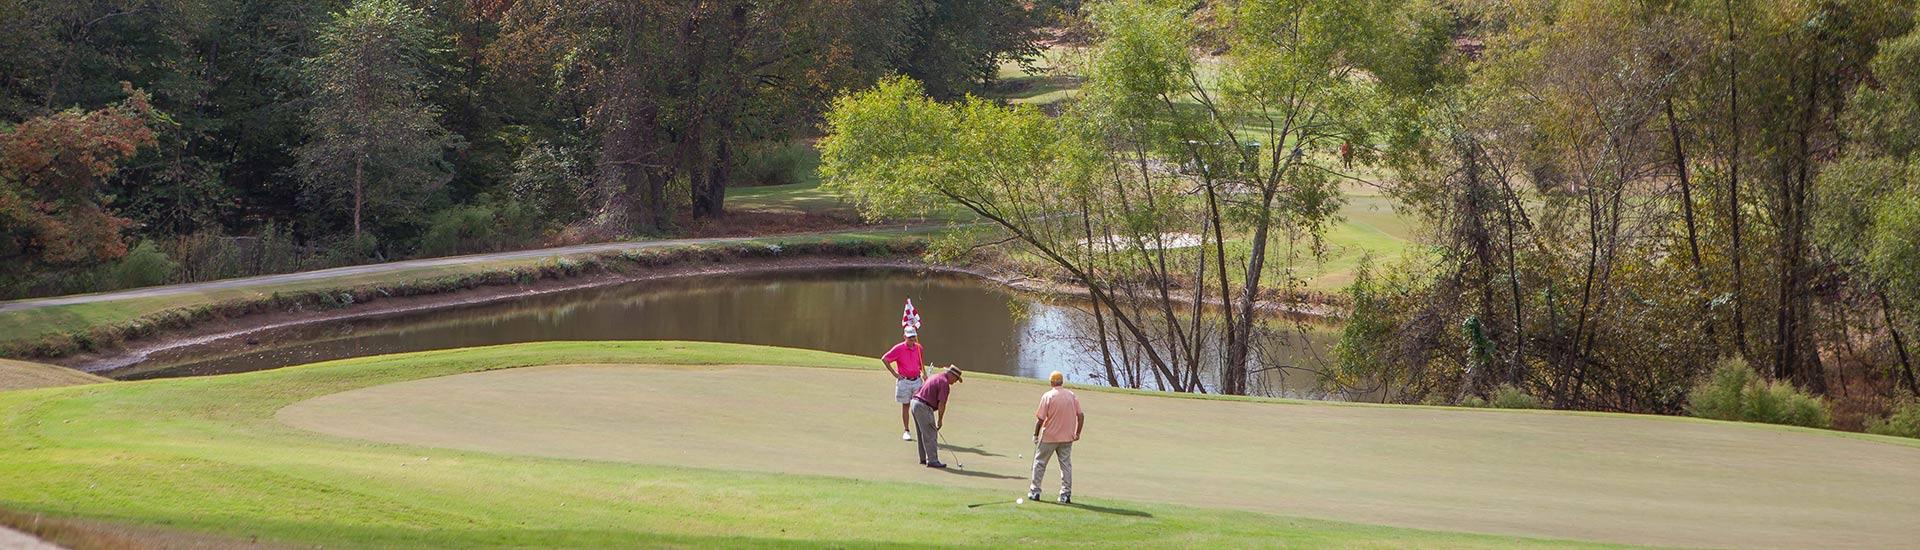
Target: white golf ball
[1019, 501]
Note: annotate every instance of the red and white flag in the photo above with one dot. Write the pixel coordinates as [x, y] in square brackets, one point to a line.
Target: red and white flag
[910, 319]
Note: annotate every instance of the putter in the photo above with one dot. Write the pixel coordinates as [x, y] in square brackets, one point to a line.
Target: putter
[956, 454]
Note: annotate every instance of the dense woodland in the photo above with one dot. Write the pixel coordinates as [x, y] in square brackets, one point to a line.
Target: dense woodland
[151, 141]
[1666, 206]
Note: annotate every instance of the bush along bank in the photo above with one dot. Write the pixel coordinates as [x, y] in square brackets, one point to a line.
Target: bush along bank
[106, 336]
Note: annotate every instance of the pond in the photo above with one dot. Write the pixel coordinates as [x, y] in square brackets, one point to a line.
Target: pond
[966, 321]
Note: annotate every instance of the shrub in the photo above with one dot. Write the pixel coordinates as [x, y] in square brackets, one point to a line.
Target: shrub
[350, 251]
[1734, 392]
[461, 229]
[1904, 421]
[1504, 397]
[1509, 397]
[145, 265]
[778, 164]
[551, 181]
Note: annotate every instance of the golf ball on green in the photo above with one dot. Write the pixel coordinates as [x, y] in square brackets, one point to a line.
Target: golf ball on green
[1019, 501]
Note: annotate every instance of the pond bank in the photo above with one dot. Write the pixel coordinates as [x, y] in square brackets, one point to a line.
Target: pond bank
[67, 326]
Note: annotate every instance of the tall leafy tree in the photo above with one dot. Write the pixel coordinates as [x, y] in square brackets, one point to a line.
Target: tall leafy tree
[670, 90]
[54, 212]
[955, 46]
[1869, 200]
[1258, 145]
[376, 143]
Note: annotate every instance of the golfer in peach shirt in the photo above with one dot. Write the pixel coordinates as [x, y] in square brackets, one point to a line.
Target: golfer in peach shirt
[1056, 426]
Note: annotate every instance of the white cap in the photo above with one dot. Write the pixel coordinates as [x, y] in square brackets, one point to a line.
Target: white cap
[912, 332]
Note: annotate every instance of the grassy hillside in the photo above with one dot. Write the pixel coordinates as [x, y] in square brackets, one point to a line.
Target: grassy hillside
[20, 375]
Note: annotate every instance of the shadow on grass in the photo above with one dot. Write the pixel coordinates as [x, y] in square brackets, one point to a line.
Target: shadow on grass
[1087, 507]
[1106, 510]
[969, 450]
[955, 470]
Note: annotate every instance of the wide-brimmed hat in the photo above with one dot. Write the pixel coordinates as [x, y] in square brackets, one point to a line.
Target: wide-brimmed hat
[954, 372]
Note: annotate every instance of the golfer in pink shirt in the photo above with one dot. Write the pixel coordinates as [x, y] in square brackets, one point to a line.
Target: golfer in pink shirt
[1056, 426]
[904, 363]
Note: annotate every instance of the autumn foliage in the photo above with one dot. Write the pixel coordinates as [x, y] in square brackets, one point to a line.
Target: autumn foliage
[53, 169]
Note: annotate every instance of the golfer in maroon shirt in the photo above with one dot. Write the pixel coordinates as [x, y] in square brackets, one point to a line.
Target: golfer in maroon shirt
[930, 411]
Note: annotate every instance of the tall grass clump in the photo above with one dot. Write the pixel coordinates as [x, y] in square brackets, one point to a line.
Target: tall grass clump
[1734, 392]
[1904, 421]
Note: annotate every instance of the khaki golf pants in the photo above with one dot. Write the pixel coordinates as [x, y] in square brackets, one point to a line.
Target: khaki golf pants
[1040, 455]
[929, 437]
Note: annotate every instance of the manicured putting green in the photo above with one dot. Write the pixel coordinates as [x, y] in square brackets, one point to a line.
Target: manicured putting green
[207, 462]
[1615, 478]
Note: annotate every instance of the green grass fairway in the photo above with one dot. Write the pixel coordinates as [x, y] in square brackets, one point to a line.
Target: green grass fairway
[426, 449]
[20, 375]
[793, 198]
[207, 455]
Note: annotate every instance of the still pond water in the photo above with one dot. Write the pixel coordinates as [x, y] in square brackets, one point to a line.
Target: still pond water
[968, 322]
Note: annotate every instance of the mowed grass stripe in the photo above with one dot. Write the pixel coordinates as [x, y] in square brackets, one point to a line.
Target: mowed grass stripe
[207, 455]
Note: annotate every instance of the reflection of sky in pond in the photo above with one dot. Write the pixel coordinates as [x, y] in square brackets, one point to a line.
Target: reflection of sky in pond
[976, 325]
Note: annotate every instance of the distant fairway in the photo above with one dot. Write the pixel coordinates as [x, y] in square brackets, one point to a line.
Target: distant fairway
[1593, 477]
[465, 448]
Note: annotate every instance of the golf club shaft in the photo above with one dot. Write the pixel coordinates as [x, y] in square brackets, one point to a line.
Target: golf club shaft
[943, 441]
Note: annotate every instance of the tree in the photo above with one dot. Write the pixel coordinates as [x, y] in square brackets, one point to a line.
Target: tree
[53, 170]
[374, 140]
[671, 90]
[1092, 193]
[1615, 180]
[954, 46]
[1869, 200]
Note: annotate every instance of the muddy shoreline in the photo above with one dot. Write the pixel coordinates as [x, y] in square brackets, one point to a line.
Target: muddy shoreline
[239, 330]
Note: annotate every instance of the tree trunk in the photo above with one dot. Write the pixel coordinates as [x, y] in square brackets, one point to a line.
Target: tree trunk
[1233, 375]
[1099, 319]
[1899, 344]
[709, 201]
[1794, 356]
[709, 197]
[1693, 235]
[1235, 345]
[359, 187]
[1733, 191]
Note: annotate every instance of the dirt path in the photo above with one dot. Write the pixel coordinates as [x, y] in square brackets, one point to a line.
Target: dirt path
[1645, 480]
[390, 267]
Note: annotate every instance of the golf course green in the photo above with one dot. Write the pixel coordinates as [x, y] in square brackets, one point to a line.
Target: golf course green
[679, 443]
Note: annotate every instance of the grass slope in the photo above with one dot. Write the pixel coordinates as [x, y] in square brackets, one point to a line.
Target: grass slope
[207, 455]
[20, 375]
[75, 327]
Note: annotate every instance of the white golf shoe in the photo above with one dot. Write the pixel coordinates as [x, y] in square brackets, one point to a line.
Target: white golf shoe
[906, 436]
